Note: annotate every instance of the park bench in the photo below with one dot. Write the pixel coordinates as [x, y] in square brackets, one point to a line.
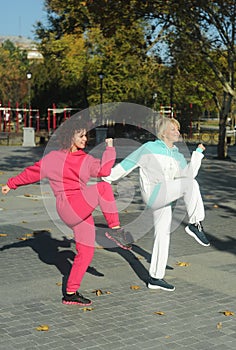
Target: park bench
[5, 136]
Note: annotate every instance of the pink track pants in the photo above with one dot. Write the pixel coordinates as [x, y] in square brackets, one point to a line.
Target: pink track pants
[76, 212]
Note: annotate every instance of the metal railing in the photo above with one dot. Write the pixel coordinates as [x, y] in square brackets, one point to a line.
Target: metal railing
[210, 137]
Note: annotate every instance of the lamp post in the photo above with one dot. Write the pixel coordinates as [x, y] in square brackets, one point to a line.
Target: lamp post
[171, 94]
[29, 76]
[101, 77]
[154, 113]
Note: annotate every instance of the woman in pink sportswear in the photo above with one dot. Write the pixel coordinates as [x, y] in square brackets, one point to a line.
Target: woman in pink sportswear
[68, 170]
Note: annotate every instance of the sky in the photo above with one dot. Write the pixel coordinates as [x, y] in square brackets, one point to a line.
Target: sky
[17, 17]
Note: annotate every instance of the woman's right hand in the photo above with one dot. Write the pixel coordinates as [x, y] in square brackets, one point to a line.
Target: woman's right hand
[5, 189]
[109, 142]
[201, 146]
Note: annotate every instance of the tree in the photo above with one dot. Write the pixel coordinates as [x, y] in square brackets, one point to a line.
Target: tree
[82, 50]
[211, 26]
[64, 62]
[13, 68]
[206, 24]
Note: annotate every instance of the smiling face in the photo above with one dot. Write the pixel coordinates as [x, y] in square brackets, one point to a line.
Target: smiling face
[171, 134]
[79, 140]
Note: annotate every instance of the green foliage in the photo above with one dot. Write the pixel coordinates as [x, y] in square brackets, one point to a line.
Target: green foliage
[145, 49]
[81, 55]
[13, 67]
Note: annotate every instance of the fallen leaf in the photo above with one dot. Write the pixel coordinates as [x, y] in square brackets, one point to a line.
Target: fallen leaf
[161, 313]
[43, 327]
[3, 234]
[215, 206]
[98, 292]
[28, 195]
[24, 222]
[219, 325]
[227, 313]
[25, 237]
[134, 287]
[87, 309]
[139, 257]
[29, 235]
[183, 263]
[59, 284]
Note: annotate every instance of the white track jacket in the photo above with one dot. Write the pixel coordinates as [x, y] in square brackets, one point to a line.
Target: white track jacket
[157, 164]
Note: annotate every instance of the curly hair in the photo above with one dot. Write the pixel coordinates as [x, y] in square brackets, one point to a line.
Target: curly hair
[67, 130]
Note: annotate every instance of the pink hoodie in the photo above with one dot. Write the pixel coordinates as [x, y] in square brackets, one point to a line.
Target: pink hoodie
[67, 172]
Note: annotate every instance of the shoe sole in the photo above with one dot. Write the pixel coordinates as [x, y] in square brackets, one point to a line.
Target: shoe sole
[117, 242]
[74, 303]
[192, 234]
[152, 286]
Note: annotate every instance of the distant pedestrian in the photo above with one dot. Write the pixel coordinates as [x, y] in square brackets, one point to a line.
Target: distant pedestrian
[165, 177]
[68, 170]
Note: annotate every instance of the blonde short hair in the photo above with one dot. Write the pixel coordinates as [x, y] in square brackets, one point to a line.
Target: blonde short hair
[162, 124]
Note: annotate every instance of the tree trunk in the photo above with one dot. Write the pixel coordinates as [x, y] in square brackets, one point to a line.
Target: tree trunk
[222, 144]
[224, 112]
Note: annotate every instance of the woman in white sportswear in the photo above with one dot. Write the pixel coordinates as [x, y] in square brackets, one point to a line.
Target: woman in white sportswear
[165, 177]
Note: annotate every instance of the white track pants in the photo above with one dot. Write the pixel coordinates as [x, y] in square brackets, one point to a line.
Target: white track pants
[169, 192]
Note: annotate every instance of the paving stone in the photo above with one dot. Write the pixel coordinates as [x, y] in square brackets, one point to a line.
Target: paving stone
[124, 319]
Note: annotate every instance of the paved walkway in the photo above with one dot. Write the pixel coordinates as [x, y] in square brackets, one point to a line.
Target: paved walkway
[32, 272]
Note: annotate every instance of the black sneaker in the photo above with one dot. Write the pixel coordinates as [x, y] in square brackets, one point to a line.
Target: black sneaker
[155, 283]
[76, 299]
[119, 236]
[196, 231]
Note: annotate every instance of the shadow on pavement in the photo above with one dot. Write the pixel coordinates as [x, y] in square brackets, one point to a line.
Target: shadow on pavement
[128, 255]
[228, 244]
[47, 249]
[133, 262]
[17, 158]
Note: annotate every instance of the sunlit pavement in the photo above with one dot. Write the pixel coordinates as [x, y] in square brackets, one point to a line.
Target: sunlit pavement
[124, 314]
